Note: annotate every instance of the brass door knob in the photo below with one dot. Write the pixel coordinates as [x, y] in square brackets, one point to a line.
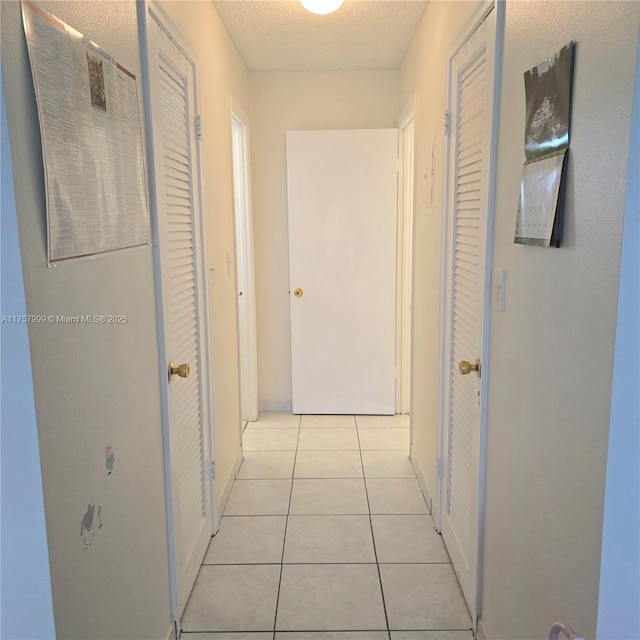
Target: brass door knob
[180, 370]
[467, 367]
[298, 293]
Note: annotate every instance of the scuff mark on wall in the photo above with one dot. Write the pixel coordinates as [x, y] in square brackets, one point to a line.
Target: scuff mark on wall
[86, 529]
[108, 452]
[92, 519]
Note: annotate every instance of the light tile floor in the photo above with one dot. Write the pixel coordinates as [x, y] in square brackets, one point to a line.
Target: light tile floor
[326, 536]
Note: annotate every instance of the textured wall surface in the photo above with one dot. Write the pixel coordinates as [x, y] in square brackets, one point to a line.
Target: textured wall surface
[618, 614]
[552, 349]
[26, 609]
[424, 73]
[282, 101]
[95, 385]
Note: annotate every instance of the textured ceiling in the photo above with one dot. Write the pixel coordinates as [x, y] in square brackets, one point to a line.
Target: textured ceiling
[281, 35]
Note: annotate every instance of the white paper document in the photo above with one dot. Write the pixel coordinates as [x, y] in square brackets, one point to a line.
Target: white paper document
[539, 191]
[91, 141]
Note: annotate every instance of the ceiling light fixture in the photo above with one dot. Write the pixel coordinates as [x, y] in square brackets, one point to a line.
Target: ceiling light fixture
[322, 7]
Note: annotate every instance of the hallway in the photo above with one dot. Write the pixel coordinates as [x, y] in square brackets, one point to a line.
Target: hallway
[326, 529]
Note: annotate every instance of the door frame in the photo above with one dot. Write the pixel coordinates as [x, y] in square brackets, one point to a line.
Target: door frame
[465, 33]
[245, 270]
[405, 258]
[152, 10]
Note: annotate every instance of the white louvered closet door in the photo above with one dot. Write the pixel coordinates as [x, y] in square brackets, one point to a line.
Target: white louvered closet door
[470, 136]
[178, 206]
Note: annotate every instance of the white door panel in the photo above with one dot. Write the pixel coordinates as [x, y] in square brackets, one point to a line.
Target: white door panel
[244, 266]
[178, 211]
[342, 250]
[469, 168]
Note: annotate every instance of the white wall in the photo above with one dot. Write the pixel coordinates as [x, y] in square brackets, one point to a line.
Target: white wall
[282, 101]
[95, 386]
[221, 74]
[618, 614]
[552, 349]
[26, 608]
[424, 72]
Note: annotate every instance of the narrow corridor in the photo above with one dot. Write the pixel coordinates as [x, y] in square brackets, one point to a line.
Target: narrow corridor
[326, 530]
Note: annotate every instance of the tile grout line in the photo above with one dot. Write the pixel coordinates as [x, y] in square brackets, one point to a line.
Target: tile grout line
[257, 631]
[325, 428]
[286, 526]
[314, 564]
[282, 564]
[373, 539]
[332, 477]
[384, 515]
[331, 631]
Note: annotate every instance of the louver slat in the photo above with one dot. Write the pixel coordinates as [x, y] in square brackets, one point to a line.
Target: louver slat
[181, 312]
[465, 302]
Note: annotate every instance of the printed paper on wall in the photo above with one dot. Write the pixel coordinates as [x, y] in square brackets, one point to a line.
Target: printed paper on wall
[548, 100]
[91, 141]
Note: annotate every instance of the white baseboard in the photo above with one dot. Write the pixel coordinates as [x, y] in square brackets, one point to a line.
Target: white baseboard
[238, 463]
[283, 406]
[228, 485]
[423, 484]
[171, 634]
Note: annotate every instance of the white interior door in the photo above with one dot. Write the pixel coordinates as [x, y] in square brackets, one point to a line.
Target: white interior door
[468, 197]
[405, 260]
[342, 189]
[176, 178]
[247, 330]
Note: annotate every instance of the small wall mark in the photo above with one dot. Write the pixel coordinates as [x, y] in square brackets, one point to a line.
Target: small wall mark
[86, 528]
[108, 452]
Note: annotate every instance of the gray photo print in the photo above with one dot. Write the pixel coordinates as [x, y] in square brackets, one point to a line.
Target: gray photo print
[548, 92]
[96, 82]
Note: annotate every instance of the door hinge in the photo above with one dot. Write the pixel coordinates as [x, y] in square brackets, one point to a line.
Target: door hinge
[198, 128]
[439, 466]
[447, 123]
[212, 471]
